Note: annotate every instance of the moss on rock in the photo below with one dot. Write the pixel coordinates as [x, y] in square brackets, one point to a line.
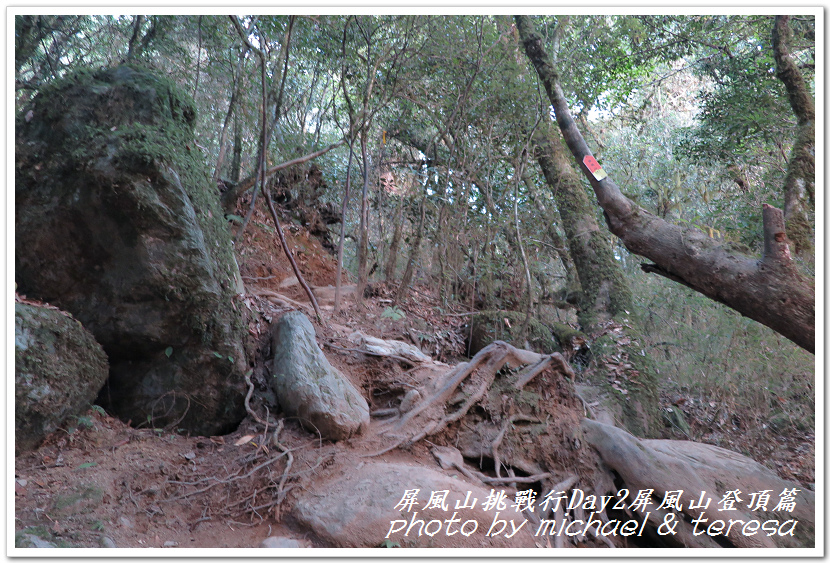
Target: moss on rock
[118, 223]
[58, 370]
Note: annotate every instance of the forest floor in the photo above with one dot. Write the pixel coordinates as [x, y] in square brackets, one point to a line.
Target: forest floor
[101, 483]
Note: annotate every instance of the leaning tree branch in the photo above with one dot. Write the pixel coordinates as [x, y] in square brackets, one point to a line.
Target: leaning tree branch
[770, 290]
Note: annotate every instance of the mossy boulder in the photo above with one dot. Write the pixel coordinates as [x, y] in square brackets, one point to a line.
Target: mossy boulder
[58, 370]
[117, 222]
[489, 326]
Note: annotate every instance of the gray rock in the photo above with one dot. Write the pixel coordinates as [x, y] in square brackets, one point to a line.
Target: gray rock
[58, 370]
[118, 223]
[29, 540]
[280, 542]
[359, 510]
[107, 542]
[309, 387]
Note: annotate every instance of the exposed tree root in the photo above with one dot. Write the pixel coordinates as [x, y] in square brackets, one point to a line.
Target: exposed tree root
[556, 359]
[248, 400]
[431, 415]
[450, 458]
[223, 481]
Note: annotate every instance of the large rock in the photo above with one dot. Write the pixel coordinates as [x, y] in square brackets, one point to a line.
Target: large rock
[117, 223]
[309, 387]
[58, 370]
[361, 509]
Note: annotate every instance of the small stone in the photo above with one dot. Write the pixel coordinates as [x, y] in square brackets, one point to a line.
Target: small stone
[409, 400]
[107, 542]
[280, 542]
[170, 543]
[125, 522]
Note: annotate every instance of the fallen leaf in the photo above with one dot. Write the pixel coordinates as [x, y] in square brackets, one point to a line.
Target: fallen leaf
[244, 440]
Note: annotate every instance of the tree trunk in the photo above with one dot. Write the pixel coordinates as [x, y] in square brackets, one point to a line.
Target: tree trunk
[135, 50]
[770, 290]
[271, 109]
[605, 293]
[223, 136]
[440, 254]
[605, 299]
[403, 288]
[236, 161]
[528, 277]
[389, 271]
[342, 231]
[572, 286]
[363, 236]
[799, 184]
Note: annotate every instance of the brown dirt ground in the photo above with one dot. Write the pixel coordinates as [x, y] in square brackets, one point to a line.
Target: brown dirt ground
[144, 487]
[141, 487]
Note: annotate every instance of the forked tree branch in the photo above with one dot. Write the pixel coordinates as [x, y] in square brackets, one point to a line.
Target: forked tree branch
[770, 291]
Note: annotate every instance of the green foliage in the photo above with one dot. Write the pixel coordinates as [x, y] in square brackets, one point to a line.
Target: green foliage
[85, 422]
[218, 355]
[744, 113]
[709, 353]
[607, 59]
[393, 313]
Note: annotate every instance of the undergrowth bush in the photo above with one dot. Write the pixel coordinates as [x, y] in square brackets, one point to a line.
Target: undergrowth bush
[708, 352]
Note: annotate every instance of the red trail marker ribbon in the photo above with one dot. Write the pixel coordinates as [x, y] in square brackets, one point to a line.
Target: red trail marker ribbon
[593, 166]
